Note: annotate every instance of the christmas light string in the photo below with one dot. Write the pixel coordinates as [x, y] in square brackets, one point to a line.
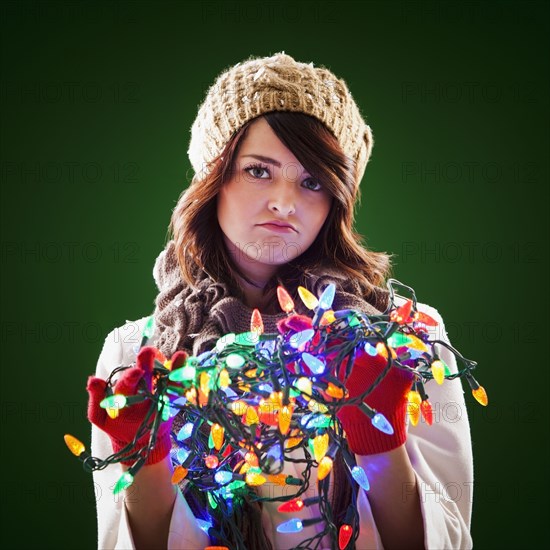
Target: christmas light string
[248, 405]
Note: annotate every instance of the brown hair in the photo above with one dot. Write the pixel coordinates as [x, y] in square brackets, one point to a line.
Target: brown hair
[199, 244]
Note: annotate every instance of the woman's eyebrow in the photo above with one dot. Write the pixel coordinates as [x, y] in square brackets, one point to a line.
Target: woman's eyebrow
[265, 159]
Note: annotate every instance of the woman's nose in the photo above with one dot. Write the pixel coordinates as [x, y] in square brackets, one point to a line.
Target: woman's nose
[283, 199]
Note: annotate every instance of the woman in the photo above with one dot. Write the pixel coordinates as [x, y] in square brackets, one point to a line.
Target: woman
[279, 149]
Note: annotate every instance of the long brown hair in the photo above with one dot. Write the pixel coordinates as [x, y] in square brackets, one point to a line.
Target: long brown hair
[198, 236]
[199, 244]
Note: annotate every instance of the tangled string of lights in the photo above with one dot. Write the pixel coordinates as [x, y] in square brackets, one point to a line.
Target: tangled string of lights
[255, 398]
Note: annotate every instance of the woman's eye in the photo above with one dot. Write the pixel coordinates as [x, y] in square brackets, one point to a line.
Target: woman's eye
[313, 185]
[256, 171]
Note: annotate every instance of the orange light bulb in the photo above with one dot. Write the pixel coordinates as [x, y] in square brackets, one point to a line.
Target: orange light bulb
[256, 323]
[179, 474]
[334, 391]
[285, 416]
[481, 396]
[278, 479]
[285, 301]
[75, 446]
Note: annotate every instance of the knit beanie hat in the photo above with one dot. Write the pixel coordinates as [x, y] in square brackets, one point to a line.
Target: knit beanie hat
[278, 83]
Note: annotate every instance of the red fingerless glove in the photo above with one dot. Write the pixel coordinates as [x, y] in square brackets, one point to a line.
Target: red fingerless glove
[124, 427]
[388, 398]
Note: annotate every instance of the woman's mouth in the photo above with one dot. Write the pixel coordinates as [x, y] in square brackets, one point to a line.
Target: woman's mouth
[277, 228]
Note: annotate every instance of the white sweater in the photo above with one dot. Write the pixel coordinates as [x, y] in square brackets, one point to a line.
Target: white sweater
[441, 456]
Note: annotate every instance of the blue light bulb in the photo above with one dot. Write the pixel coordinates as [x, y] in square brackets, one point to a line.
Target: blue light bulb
[326, 299]
[223, 477]
[291, 526]
[275, 453]
[180, 401]
[360, 477]
[316, 365]
[182, 454]
[296, 340]
[380, 422]
[185, 432]
[204, 525]
[371, 350]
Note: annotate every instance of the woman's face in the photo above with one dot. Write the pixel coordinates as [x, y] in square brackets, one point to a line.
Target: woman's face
[268, 184]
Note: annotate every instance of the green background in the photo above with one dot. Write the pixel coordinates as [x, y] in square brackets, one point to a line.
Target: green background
[97, 102]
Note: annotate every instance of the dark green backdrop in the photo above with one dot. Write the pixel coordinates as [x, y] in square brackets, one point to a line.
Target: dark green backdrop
[97, 102]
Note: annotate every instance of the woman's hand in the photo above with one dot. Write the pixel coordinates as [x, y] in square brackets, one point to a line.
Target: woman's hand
[388, 398]
[122, 429]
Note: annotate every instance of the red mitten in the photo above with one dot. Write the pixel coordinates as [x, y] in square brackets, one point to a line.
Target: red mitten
[124, 427]
[388, 398]
[296, 323]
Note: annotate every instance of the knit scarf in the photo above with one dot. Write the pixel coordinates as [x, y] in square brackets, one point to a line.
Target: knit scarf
[193, 319]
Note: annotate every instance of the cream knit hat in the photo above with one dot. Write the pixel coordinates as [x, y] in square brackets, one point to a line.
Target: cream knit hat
[278, 83]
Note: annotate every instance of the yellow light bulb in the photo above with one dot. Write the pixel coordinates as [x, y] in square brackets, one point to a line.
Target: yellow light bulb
[245, 467]
[325, 466]
[251, 459]
[416, 343]
[205, 383]
[117, 402]
[481, 396]
[75, 446]
[320, 447]
[254, 479]
[305, 385]
[381, 350]
[309, 299]
[327, 318]
[224, 379]
[413, 406]
[191, 395]
[238, 407]
[251, 416]
[315, 406]
[265, 407]
[438, 371]
[277, 398]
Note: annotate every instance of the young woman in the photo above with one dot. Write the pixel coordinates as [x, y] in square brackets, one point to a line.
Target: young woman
[279, 149]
